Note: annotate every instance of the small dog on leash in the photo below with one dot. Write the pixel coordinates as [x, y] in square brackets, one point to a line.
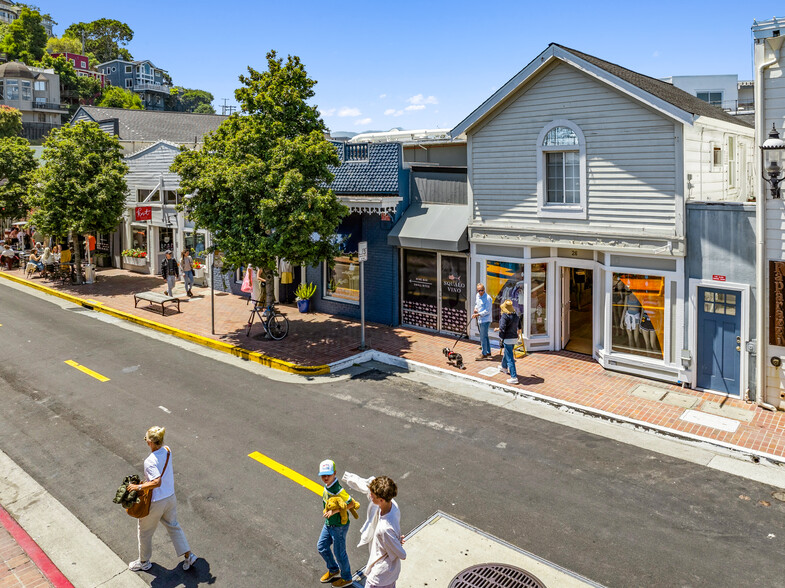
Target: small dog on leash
[453, 358]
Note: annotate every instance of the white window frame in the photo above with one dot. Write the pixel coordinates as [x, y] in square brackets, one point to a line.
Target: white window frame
[714, 147]
[327, 296]
[545, 209]
[128, 69]
[732, 175]
[710, 92]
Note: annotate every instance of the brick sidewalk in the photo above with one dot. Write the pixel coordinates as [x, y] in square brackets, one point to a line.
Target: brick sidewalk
[17, 570]
[316, 339]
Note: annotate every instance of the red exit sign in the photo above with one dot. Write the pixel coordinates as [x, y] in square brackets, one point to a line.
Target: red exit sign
[718, 278]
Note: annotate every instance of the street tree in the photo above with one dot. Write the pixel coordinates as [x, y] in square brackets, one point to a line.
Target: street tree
[10, 121]
[115, 97]
[80, 188]
[25, 38]
[17, 163]
[105, 38]
[259, 183]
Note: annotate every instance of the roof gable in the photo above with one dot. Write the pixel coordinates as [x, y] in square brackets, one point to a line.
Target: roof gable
[154, 147]
[661, 96]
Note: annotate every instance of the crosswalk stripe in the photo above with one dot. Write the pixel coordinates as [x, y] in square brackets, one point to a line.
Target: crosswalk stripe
[289, 473]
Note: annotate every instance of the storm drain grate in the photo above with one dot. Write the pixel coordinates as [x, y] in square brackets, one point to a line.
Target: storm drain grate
[495, 576]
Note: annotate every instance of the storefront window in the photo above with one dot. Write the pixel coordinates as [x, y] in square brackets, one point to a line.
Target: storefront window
[139, 237]
[420, 289]
[166, 239]
[454, 291]
[538, 310]
[196, 243]
[504, 281]
[638, 314]
[342, 281]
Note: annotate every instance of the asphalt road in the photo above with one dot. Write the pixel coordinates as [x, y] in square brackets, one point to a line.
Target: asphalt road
[615, 513]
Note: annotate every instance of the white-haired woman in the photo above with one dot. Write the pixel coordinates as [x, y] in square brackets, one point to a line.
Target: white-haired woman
[159, 475]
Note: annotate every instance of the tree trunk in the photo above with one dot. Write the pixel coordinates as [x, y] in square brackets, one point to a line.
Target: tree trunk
[269, 287]
[78, 258]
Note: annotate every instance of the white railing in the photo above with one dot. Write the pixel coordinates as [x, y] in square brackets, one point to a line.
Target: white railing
[151, 87]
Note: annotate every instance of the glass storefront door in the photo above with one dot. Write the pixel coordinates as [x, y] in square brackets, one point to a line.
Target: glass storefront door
[434, 291]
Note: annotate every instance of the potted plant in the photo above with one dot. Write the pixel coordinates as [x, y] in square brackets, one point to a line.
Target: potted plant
[135, 256]
[303, 295]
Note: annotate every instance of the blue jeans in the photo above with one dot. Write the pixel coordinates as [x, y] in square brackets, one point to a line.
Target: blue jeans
[170, 282]
[485, 342]
[508, 361]
[335, 537]
[188, 279]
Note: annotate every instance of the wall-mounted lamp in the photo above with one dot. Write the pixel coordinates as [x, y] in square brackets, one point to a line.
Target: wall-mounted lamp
[773, 157]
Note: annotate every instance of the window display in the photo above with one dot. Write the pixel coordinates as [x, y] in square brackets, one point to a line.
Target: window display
[196, 243]
[343, 279]
[454, 292]
[139, 237]
[638, 314]
[538, 311]
[420, 289]
[166, 239]
[505, 281]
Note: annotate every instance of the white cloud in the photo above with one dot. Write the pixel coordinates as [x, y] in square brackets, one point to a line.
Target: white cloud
[363, 121]
[656, 54]
[327, 112]
[415, 107]
[382, 96]
[420, 99]
[393, 112]
[346, 111]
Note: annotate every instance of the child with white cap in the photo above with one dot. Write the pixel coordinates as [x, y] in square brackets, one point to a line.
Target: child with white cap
[332, 540]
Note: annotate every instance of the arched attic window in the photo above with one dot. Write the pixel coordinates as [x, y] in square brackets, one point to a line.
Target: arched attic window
[561, 171]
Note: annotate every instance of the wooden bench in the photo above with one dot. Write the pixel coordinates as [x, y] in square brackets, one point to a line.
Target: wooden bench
[156, 298]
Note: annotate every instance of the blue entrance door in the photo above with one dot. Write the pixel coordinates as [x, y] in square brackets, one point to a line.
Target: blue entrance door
[719, 343]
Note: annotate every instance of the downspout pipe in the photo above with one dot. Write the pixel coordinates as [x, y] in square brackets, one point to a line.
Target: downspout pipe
[760, 225]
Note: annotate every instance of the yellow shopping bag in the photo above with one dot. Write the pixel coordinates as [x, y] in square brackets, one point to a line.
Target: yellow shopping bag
[519, 349]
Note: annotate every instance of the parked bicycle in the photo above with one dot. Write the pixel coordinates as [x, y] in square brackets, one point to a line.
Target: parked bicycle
[274, 322]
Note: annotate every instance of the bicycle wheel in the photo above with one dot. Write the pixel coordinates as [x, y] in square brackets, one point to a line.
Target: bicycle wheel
[277, 326]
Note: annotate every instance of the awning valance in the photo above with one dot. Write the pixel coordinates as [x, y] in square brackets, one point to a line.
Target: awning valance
[432, 226]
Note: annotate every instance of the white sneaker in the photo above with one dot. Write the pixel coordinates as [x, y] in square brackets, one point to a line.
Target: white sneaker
[189, 561]
[512, 381]
[503, 370]
[138, 566]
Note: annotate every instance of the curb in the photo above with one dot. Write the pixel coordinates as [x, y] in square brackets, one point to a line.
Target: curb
[255, 356]
[33, 551]
[415, 366]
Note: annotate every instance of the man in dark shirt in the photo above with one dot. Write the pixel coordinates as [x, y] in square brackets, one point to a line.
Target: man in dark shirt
[171, 271]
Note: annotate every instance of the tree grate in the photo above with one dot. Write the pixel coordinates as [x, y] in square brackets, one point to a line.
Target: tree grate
[495, 576]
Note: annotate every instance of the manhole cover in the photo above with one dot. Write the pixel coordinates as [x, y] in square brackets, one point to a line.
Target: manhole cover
[495, 576]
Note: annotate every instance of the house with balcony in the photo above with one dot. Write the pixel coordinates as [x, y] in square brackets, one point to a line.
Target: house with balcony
[35, 92]
[81, 64]
[9, 12]
[140, 77]
[612, 209]
[726, 91]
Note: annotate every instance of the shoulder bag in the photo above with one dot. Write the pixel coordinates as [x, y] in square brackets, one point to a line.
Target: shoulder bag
[141, 508]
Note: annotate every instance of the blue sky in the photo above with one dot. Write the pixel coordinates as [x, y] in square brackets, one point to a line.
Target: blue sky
[424, 64]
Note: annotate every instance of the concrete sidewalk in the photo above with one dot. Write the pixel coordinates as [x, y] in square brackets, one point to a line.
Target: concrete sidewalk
[319, 343]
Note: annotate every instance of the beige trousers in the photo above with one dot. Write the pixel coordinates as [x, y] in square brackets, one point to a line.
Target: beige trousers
[165, 512]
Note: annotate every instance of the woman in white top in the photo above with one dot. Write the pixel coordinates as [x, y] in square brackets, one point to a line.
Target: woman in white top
[163, 507]
[384, 562]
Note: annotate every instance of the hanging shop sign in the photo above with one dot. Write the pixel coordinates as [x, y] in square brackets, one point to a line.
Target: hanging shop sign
[143, 213]
[777, 303]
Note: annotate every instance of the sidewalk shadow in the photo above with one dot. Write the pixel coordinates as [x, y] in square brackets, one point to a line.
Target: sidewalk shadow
[199, 574]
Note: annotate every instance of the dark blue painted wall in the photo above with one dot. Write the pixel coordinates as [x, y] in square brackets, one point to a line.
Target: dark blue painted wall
[381, 278]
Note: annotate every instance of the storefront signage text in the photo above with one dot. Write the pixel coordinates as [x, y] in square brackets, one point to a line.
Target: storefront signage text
[777, 302]
[143, 213]
[718, 278]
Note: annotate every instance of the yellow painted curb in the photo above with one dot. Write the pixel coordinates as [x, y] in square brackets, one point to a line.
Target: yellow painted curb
[255, 356]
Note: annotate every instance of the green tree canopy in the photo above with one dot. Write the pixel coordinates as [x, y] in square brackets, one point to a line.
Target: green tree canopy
[259, 182]
[17, 163]
[64, 44]
[10, 121]
[81, 185]
[74, 89]
[115, 97]
[105, 38]
[25, 37]
[192, 100]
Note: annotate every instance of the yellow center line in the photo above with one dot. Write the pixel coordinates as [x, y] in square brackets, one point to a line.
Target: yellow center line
[87, 371]
[289, 473]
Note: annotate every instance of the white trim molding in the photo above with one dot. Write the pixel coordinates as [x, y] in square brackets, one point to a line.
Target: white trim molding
[371, 204]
